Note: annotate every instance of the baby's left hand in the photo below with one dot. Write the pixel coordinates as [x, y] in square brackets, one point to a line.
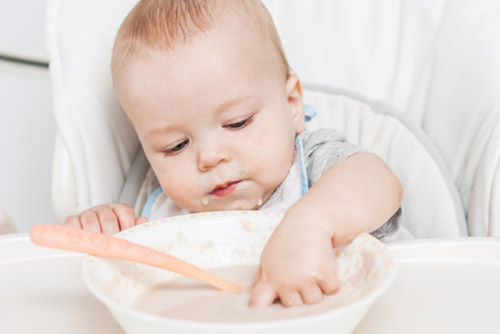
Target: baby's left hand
[297, 265]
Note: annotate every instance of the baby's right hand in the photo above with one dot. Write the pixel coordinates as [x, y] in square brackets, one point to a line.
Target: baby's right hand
[107, 219]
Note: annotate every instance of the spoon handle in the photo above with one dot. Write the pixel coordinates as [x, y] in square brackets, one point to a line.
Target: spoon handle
[97, 244]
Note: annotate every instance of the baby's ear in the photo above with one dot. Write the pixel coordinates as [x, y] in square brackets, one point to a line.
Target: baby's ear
[294, 96]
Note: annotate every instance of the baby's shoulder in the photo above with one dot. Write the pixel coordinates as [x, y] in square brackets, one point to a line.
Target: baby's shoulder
[318, 137]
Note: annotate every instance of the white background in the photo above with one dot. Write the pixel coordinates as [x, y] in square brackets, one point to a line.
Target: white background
[27, 125]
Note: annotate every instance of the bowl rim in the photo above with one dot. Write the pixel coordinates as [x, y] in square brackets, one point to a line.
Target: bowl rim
[364, 300]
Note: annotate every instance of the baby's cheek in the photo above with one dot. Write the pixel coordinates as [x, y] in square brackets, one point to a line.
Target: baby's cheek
[180, 190]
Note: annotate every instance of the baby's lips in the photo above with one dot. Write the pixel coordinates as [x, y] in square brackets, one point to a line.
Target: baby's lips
[224, 189]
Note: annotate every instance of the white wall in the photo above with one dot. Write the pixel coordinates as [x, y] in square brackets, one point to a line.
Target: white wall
[27, 133]
[27, 125]
[22, 28]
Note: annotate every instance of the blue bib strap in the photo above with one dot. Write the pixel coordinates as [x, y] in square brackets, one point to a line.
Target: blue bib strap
[304, 184]
[309, 112]
[146, 212]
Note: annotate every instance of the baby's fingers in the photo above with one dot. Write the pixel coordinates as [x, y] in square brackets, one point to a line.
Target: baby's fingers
[108, 220]
[141, 220]
[330, 283]
[290, 298]
[90, 221]
[312, 294]
[125, 215]
[262, 294]
[73, 222]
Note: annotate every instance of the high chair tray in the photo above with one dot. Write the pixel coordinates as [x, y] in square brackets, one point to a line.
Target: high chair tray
[441, 286]
[41, 291]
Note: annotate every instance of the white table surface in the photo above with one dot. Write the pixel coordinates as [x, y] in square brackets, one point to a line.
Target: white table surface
[441, 286]
[41, 291]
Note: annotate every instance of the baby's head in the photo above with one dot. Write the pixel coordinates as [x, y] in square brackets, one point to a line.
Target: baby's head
[207, 87]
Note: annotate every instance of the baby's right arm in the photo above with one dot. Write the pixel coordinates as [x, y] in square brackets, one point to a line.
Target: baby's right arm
[107, 218]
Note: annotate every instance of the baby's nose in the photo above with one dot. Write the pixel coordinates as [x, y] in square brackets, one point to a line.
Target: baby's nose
[210, 156]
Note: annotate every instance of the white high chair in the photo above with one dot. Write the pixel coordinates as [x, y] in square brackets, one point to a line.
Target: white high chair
[417, 82]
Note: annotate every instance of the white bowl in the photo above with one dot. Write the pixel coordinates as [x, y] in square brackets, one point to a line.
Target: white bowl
[219, 239]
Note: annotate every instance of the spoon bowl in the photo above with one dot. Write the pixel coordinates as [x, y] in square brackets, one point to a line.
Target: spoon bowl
[97, 244]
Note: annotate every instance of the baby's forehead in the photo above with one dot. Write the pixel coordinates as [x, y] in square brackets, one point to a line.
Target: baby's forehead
[156, 25]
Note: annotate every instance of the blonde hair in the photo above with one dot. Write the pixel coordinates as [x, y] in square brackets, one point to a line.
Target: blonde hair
[164, 24]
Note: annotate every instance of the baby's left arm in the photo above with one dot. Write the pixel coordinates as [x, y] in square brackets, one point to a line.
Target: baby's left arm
[297, 265]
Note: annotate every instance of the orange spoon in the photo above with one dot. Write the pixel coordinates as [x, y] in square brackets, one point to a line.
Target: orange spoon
[62, 237]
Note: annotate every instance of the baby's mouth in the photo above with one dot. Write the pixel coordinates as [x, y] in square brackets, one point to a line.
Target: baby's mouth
[224, 189]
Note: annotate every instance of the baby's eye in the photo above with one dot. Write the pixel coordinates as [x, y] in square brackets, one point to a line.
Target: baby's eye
[177, 148]
[240, 124]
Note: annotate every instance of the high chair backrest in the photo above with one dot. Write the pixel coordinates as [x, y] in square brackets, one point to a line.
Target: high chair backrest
[435, 61]
[96, 143]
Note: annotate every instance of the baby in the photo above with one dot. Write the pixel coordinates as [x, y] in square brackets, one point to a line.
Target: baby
[220, 117]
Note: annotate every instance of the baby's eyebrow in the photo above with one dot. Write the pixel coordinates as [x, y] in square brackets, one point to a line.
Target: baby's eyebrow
[232, 102]
[158, 130]
[245, 99]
